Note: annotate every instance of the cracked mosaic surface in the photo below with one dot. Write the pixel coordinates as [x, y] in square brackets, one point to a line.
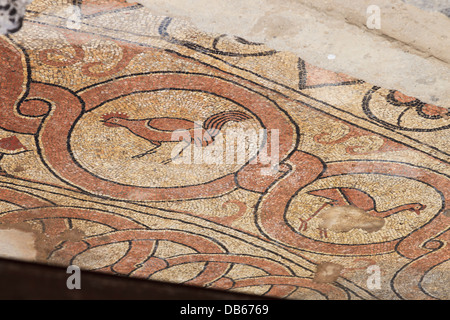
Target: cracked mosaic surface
[70, 176]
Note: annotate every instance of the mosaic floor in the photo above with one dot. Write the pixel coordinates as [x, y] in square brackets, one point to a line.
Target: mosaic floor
[91, 97]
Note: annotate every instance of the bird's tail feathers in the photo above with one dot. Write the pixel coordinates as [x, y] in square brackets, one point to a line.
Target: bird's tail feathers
[214, 123]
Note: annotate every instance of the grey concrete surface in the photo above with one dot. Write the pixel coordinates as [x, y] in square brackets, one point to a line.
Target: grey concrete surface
[410, 52]
[432, 5]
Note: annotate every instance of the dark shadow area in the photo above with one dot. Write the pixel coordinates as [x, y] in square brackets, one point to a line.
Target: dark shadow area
[22, 280]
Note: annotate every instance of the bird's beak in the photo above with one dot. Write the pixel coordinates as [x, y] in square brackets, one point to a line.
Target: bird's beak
[417, 211]
[108, 123]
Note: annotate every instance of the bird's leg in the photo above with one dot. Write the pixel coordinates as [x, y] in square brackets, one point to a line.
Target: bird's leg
[177, 156]
[304, 223]
[323, 233]
[153, 150]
